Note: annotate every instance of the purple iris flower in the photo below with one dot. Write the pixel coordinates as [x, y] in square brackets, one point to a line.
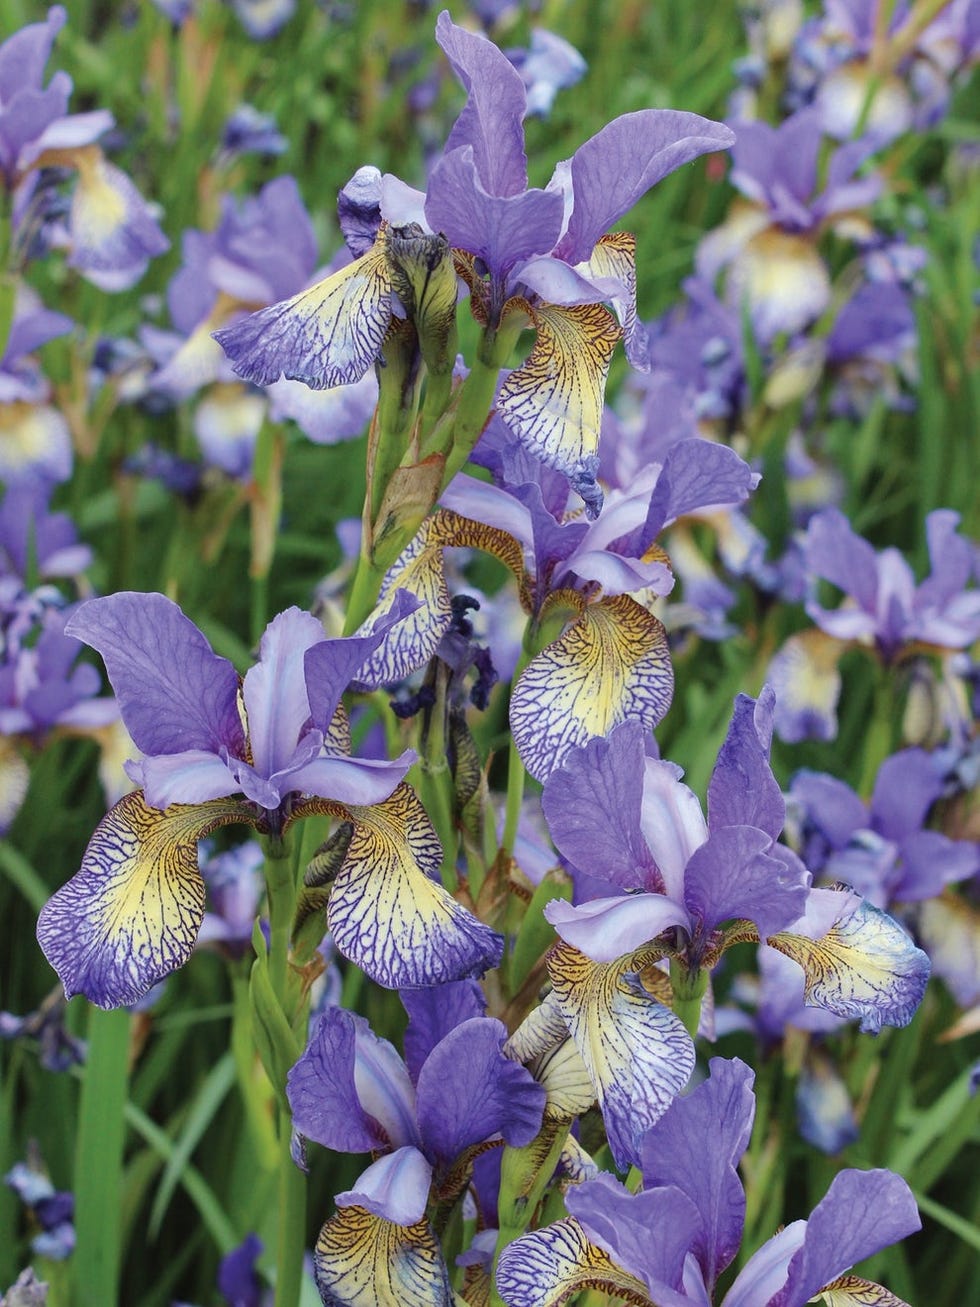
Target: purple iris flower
[541, 256]
[870, 347]
[350, 1091]
[235, 888]
[35, 443]
[28, 1291]
[885, 606]
[767, 244]
[238, 1280]
[882, 849]
[671, 1240]
[183, 714]
[614, 659]
[111, 231]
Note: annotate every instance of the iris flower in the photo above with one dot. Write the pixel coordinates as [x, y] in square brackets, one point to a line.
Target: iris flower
[668, 1243]
[260, 753]
[673, 880]
[351, 1092]
[531, 256]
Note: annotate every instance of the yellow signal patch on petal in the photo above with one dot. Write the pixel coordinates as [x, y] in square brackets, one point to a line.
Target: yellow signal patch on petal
[614, 256]
[363, 1260]
[451, 530]
[864, 967]
[546, 1267]
[326, 336]
[390, 914]
[852, 1291]
[131, 914]
[637, 1052]
[410, 643]
[610, 666]
[553, 402]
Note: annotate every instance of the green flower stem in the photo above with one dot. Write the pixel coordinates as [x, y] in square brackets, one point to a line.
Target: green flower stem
[880, 733]
[280, 879]
[689, 989]
[475, 402]
[98, 1160]
[291, 1240]
[515, 797]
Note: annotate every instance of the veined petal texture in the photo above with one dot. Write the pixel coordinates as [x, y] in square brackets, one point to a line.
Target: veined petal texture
[326, 336]
[611, 665]
[131, 914]
[363, 1260]
[865, 967]
[544, 1268]
[388, 913]
[637, 1051]
[187, 698]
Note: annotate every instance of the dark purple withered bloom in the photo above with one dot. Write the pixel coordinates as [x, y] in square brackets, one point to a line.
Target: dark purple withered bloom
[767, 245]
[58, 1048]
[238, 1280]
[350, 1091]
[670, 1241]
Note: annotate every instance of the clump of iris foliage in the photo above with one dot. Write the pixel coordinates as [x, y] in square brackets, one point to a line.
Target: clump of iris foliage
[490, 612]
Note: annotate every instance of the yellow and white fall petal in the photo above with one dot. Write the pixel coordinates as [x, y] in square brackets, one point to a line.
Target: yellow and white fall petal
[637, 1052]
[131, 914]
[610, 666]
[389, 912]
[363, 1260]
[553, 401]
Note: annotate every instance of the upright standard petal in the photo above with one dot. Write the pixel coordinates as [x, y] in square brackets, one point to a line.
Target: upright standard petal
[622, 161]
[174, 692]
[468, 1091]
[324, 1094]
[388, 913]
[131, 914]
[326, 336]
[611, 665]
[637, 1051]
[492, 120]
[696, 1145]
[274, 691]
[861, 1213]
[742, 790]
[433, 1013]
[592, 805]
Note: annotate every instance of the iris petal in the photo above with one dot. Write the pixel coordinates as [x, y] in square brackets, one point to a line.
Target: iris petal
[864, 967]
[853, 1291]
[636, 1050]
[389, 916]
[326, 336]
[362, 1260]
[553, 402]
[131, 914]
[543, 1268]
[613, 664]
